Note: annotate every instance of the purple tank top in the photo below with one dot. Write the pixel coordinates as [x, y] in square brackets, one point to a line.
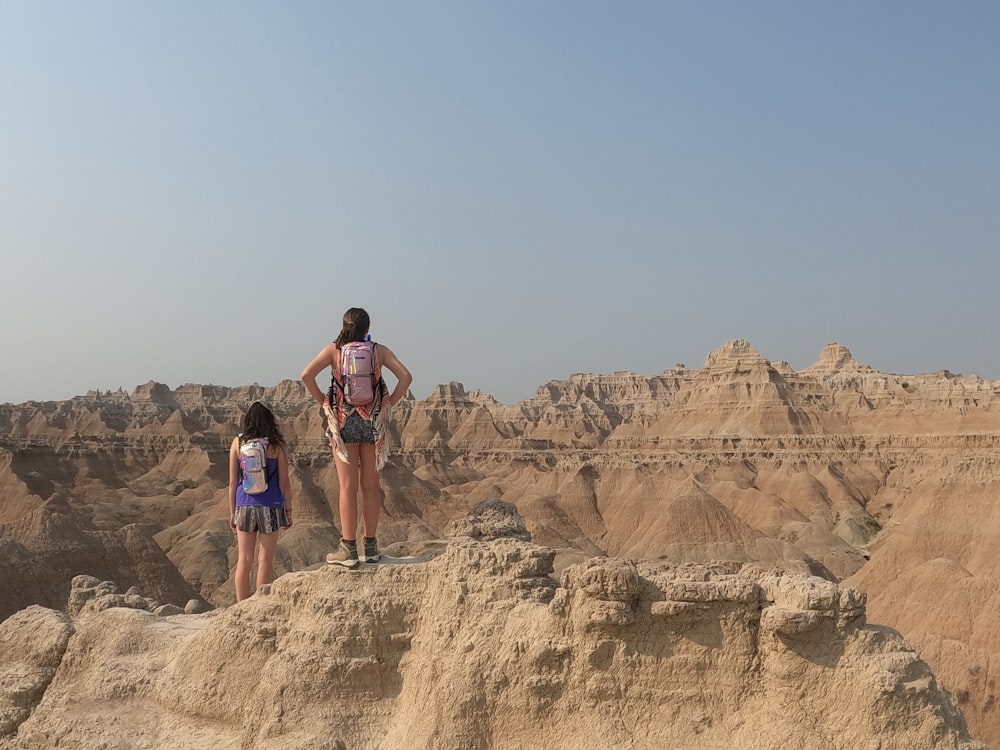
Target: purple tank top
[269, 498]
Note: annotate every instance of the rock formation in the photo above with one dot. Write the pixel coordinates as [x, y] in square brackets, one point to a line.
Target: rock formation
[479, 647]
[881, 481]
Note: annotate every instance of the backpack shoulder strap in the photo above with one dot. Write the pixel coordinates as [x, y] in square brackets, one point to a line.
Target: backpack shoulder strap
[281, 449]
[269, 477]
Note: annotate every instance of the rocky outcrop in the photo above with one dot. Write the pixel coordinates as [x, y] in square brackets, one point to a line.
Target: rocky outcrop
[89, 594]
[32, 643]
[482, 647]
[491, 519]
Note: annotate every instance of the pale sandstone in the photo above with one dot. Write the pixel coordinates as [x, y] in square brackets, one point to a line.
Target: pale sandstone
[481, 647]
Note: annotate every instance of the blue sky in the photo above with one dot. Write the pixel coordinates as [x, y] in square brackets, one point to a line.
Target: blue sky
[516, 191]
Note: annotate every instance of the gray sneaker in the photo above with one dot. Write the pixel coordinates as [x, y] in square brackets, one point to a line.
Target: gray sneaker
[372, 554]
[346, 556]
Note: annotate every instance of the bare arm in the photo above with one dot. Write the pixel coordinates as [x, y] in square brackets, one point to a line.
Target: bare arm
[398, 369]
[284, 482]
[234, 478]
[324, 359]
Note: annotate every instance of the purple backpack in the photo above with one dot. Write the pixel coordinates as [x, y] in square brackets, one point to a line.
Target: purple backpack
[357, 367]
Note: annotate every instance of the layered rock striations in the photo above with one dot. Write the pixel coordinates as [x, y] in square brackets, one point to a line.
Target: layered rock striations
[837, 470]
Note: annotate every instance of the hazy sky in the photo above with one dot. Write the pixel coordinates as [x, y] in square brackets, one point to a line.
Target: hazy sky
[194, 192]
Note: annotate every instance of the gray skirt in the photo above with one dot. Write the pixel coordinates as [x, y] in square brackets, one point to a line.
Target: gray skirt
[260, 520]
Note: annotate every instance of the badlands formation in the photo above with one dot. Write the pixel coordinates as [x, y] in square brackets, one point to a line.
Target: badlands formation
[702, 547]
[478, 648]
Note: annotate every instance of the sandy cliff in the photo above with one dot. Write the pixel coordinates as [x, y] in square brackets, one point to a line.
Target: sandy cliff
[480, 647]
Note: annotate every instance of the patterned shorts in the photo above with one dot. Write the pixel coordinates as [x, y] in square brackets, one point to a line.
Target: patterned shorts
[255, 519]
[356, 430]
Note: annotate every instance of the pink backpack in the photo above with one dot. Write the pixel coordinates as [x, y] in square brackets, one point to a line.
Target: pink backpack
[357, 367]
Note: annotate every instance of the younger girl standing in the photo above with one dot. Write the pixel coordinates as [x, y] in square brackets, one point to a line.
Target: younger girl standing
[257, 517]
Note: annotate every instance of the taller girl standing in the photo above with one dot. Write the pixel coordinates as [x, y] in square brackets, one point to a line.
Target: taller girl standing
[356, 414]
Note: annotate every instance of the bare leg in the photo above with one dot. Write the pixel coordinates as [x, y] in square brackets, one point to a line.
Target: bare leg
[347, 473]
[371, 489]
[245, 543]
[265, 558]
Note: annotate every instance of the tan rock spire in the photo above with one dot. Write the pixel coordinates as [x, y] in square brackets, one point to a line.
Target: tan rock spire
[735, 355]
[835, 357]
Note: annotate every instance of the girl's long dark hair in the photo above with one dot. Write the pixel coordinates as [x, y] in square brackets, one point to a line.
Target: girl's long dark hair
[356, 325]
[259, 422]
